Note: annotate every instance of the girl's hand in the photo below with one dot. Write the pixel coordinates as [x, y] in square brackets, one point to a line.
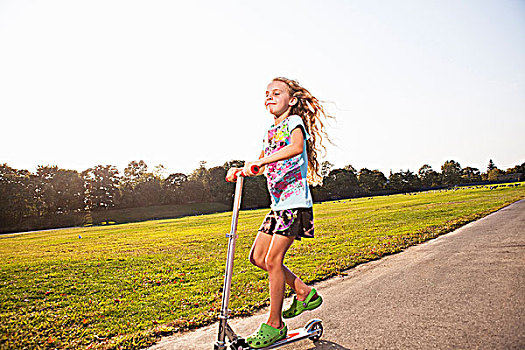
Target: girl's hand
[252, 168]
[231, 176]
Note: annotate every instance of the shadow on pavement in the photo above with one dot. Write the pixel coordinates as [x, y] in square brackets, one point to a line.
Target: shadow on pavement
[327, 345]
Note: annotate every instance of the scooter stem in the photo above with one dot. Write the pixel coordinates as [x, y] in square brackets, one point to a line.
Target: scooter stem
[232, 237]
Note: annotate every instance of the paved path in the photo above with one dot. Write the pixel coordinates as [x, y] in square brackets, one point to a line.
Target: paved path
[463, 290]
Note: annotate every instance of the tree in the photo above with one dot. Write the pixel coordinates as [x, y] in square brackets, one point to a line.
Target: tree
[491, 166]
[43, 191]
[517, 169]
[255, 193]
[148, 187]
[451, 172]
[148, 191]
[371, 181]
[159, 172]
[470, 175]
[58, 191]
[172, 188]
[350, 168]
[134, 172]
[16, 196]
[403, 181]
[140, 188]
[195, 189]
[101, 186]
[216, 185]
[340, 183]
[429, 177]
[493, 174]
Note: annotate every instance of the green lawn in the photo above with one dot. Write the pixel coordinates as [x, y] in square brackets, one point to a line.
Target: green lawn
[121, 286]
[156, 212]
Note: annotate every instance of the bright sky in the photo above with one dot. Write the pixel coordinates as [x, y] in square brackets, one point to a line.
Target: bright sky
[416, 82]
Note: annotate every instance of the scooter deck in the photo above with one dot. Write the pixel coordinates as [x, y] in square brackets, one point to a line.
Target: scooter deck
[296, 335]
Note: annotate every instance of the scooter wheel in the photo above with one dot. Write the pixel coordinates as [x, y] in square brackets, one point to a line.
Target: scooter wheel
[317, 327]
[239, 344]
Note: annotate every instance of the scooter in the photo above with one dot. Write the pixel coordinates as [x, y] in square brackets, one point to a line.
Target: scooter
[313, 330]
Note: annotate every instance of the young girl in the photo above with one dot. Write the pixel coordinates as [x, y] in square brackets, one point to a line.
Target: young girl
[288, 159]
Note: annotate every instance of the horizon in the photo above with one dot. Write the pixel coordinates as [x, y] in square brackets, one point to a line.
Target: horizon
[151, 167]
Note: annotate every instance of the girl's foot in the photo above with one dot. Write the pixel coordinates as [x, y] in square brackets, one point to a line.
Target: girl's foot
[266, 336]
[302, 298]
[312, 301]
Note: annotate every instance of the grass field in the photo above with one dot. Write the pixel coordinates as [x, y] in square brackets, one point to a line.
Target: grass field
[125, 215]
[122, 286]
[156, 212]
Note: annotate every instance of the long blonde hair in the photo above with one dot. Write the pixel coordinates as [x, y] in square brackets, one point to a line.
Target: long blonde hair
[311, 112]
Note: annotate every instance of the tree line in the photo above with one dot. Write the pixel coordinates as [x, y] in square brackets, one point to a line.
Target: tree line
[53, 192]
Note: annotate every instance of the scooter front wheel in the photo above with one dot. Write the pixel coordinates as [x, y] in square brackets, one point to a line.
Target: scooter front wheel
[316, 328]
[239, 344]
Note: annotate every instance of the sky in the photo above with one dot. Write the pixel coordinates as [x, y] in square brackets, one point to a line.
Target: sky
[85, 83]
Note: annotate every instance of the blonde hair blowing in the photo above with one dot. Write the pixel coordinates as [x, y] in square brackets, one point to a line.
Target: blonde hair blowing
[311, 112]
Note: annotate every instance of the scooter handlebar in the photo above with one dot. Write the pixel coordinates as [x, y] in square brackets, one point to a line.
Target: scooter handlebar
[254, 169]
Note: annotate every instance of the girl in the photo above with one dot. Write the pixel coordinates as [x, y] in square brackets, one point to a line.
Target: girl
[288, 159]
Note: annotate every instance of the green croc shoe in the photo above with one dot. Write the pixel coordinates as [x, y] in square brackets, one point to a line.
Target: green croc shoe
[266, 336]
[298, 307]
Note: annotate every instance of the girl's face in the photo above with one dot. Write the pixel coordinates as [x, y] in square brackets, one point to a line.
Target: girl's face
[278, 100]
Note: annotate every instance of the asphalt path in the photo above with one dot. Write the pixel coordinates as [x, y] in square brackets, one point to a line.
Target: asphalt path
[462, 290]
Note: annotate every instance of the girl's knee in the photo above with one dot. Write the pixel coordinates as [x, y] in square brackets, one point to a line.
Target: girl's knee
[273, 263]
[260, 263]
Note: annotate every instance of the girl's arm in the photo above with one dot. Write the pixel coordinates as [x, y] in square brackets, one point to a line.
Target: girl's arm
[294, 148]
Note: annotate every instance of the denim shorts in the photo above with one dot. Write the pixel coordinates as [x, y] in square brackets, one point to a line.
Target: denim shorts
[296, 223]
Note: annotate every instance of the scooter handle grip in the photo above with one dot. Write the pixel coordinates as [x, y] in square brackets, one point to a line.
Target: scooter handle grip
[254, 169]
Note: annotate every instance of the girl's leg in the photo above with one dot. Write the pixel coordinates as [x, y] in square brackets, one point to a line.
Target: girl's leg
[299, 287]
[260, 250]
[258, 255]
[277, 276]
